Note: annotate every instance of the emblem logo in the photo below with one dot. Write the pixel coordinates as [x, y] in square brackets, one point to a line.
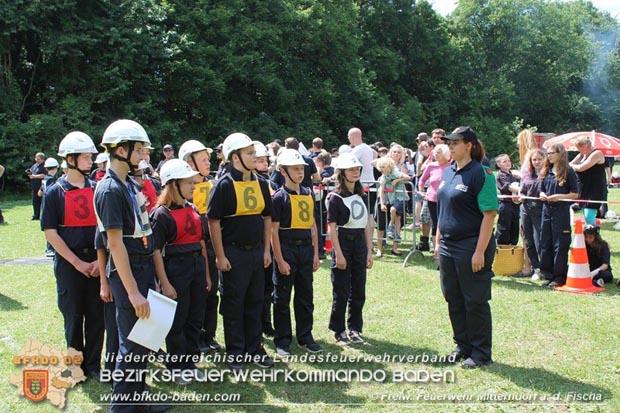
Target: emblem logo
[35, 384]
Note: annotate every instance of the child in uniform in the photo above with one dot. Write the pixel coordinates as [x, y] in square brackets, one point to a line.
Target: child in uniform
[239, 214]
[508, 220]
[599, 256]
[350, 228]
[68, 221]
[123, 220]
[198, 157]
[295, 247]
[180, 262]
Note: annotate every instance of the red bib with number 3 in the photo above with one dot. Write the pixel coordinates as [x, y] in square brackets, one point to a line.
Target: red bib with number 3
[189, 229]
[79, 208]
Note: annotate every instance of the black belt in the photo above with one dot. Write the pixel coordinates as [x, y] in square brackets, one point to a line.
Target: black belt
[84, 251]
[247, 247]
[349, 237]
[183, 254]
[296, 241]
[140, 257]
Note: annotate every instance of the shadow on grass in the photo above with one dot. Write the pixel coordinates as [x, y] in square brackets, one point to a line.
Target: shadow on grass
[539, 379]
[9, 304]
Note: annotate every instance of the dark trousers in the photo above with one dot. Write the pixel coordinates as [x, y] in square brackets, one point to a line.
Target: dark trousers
[210, 318]
[531, 221]
[242, 290]
[555, 239]
[299, 258]
[349, 285]
[606, 275]
[36, 204]
[508, 223]
[468, 294]
[432, 209]
[187, 274]
[82, 311]
[268, 297]
[111, 334]
[320, 217]
[144, 272]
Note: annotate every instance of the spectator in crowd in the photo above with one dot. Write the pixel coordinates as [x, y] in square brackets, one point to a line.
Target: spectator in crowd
[531, 209]
[36, 174]
[590, 167]
[168, 153]
[365, 155]
[432, 175]
[559, 181]
[317, 147]
[507, 185]
[599, 256]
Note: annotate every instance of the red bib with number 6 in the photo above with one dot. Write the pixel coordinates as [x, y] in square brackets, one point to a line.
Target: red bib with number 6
[79, 208]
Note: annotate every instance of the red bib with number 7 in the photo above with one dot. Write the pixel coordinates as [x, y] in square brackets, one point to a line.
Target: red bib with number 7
[189, 230]
[79, 208]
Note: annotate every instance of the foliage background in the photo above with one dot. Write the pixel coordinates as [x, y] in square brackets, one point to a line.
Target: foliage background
[273, 68]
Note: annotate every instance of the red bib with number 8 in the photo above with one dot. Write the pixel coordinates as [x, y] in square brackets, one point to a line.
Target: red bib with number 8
[79, 208]
[250, 199]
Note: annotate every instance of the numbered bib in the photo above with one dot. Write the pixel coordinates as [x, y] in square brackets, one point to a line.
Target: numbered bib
[189, 230]
[250, 199]
[302, 211]
[201, 196]
[358, 213]
[79, 208]
[150, 195]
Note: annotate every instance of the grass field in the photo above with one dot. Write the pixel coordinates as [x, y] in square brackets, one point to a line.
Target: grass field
[552, 349]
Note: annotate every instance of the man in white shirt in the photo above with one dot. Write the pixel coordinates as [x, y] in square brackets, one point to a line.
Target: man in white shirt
[365, 154]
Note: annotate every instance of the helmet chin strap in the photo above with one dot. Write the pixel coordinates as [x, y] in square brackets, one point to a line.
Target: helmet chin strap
[243, 163]
[195, 164]
[127, 159]
[69, 166]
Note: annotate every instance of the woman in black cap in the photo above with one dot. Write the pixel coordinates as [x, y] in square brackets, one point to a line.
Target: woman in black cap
[467, 206]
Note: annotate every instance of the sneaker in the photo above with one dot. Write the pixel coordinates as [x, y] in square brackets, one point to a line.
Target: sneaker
[181, 380]
[600, 282]
[342, 339]
[283, 352]
[379, 254]
[355, 337]
[470, 363]
[235, 366]
[210, 345]
[313, 348]
[50, 253]
[261, 358]
[536, 275]
[390, 231]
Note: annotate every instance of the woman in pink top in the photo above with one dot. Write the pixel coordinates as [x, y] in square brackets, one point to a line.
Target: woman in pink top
[432, 173]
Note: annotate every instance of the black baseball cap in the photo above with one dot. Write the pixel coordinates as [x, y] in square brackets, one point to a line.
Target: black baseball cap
[462, 132]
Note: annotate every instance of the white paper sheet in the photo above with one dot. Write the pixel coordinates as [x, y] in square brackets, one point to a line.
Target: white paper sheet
[152, 332]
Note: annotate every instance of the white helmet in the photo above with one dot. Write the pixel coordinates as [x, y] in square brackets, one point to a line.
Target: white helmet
[50, 163]
[346, 161]
[344, 149]
[190, 147]
[235, 142]
[261, 149]
[76, 142]
[63, 164]
[290, 157]
[102, 157]
[124, 130]
[175, 169]
[144, 165]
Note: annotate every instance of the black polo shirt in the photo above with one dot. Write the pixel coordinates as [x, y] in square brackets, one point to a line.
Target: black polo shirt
[551, 186]
[246, 229]
[282, 212]
[116, 209]
[37, 169]
[462, 197]
[78, 236]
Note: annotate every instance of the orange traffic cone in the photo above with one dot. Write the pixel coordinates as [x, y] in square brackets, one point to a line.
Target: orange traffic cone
[578, 278]
[328, 242]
